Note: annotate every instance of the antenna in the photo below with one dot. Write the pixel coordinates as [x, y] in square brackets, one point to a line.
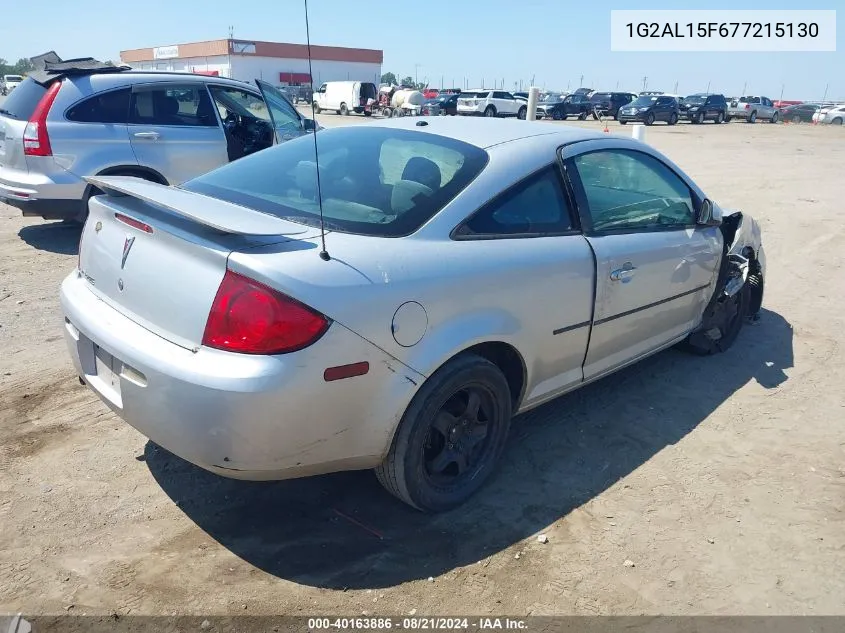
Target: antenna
[324, 254]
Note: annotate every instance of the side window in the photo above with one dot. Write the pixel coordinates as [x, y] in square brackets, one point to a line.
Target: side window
[627, 190]
[172, 105]
[535, 206]
[106, 107]
[767, 102]
[285, 117]
[234, 103]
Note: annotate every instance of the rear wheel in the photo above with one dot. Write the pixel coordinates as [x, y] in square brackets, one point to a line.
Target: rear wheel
[582, 116]
[752, 118]
[523, 111]
[317, 109]
[450, 437]
[796, 119]
[699, 118]
[673, 118]
[837, 121]
[623, 122]
[344, 109]
[490, 111]
[719, 118]
[728, 119]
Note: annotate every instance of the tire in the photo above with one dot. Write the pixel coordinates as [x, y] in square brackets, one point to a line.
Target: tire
[317, 109]
[490, 111]
[623, 122]
[836, 121]
[557, 116]
[752, 118]
[728, 119]
[649, 120]
[422, 467]
[699, 118]
[522, 113]
[796, 119]
[368, 113]
[673, 119]
[582, 116]
[719, 118]
[774, 118]
[344, 110]
[756, 289]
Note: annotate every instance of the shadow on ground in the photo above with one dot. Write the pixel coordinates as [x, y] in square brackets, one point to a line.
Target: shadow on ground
[343, 530]
[55, 237]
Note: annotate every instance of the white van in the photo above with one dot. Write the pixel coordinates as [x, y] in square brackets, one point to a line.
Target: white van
[10, 82]
[346, 96]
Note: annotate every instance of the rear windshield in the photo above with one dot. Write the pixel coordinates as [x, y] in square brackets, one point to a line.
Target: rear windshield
[14, 78]
[601, 96]
[22, 101]
[475, 95]
[374, 181]
[749, 100]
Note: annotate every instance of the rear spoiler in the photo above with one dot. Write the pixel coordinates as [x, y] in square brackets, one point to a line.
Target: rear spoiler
[223, 216]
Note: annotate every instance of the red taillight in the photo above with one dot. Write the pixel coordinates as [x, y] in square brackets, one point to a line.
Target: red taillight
[251, 318]
[135, 224]
[36, 142]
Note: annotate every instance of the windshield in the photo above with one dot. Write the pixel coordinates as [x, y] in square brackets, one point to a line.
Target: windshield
[373, 181]
[22, 101]
[643, 102]
[695, 99]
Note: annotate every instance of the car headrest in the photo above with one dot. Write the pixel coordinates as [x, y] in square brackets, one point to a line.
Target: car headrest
[424, 171]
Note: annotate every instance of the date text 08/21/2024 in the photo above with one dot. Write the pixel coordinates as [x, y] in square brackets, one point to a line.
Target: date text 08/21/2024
[723, 29]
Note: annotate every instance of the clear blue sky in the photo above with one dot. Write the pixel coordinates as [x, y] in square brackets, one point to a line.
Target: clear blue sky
[556, 41]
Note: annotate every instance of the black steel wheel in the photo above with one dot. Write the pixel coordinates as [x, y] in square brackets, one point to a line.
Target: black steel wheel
[451, 436]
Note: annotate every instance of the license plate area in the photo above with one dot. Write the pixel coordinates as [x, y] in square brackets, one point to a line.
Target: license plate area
[106, 376]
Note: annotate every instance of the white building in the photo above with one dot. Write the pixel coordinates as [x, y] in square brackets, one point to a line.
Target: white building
[274, 62]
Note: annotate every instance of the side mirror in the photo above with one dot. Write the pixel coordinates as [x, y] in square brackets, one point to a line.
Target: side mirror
[709, 214]
[309, 125]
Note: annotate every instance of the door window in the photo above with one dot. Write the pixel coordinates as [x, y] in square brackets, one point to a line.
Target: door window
[236, 103]
[285, 117]
[106, 107]
[626, 190]
[536, 206]
[172, 106]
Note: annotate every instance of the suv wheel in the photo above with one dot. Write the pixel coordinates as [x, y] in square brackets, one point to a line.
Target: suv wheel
[557, 116]
[490, 111]
[582, 116]
[649, 120]
[344, 109]
[699, 118]
[720, 117]
[673, 118]
[752, 118]
[523, 111]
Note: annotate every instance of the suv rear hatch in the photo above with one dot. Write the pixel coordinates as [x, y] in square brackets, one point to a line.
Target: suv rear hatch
[15, 113]
[158, 254]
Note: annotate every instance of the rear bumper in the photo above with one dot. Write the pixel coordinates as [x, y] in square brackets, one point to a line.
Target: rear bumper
[51, 196]
[241, 416]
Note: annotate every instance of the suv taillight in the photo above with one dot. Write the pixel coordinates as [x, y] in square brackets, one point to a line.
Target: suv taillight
[36, 142]
[250, 318]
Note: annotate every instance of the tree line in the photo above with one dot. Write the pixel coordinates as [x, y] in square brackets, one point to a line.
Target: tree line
[21, 67]
[391, 79]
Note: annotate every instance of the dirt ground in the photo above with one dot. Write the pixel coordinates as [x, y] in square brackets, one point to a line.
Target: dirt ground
[721, 479]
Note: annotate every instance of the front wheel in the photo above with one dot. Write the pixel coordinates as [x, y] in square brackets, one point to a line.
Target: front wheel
[649, 120]
[728, 119]
[699, 118]
[490, 111]
[557, 116]
[837, 121]
[719, 118]
[450, 437]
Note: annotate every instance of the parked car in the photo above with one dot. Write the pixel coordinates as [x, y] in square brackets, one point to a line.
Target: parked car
[800, 113]
[650, 109]
[430, 107]
[577, 105]
[344, 97]
[752, 108]
[547, 101]
[81, 118]
[831, 114]
[10, 82]
[783, 103]
[490, 103]
[702, 106]
[608, 103]
[222, 341]
[447, 104]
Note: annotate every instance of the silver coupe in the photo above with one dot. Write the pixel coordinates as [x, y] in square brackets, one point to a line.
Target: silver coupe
[470, 270]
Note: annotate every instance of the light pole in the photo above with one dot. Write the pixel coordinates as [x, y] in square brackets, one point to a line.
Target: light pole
[645, 83]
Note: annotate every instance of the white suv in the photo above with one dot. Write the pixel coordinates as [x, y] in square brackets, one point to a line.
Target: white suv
[491, 103]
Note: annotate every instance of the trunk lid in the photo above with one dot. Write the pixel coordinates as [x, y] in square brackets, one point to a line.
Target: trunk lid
[15, 112]
[157, 254]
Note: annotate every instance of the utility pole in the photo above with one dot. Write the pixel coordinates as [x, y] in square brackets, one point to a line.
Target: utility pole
[581, 84]
[826, 86]
[645, 83]
[782, 86]
[708, 87]
[744, 84]
[676, 87]
[617, 84]
[416, 73]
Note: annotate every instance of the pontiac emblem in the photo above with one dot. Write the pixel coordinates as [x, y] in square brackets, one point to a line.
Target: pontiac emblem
[127, 246]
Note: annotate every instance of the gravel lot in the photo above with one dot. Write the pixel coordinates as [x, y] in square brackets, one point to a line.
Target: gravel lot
[721, 479]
